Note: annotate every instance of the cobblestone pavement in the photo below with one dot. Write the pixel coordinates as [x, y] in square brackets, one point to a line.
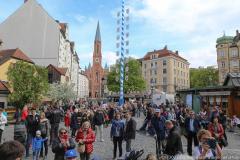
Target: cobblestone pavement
[105, 149]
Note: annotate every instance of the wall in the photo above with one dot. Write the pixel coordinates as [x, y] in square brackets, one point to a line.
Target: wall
[31, 29]
[4, 69]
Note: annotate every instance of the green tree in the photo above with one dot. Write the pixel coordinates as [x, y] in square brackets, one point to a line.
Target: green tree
[203, 77]
[134, 82]
[29, 83]
[61, 92]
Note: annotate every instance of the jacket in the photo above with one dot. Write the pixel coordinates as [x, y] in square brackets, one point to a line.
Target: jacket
[174, 143]
[32, 124]
[55, 116]
[37, 143]
[43, 126]
[3, 121]
[89, 139]
[20, 132]
[67, 120]
[98, 119]
[196, 125]
[220, 130]
[117, 128]
[59, 149]
[74, 121]
[159, 126]
[130, 129]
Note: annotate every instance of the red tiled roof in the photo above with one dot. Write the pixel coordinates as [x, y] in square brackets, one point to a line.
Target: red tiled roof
[4, 86]
[61, 71]
[162, 53]
[13, 53]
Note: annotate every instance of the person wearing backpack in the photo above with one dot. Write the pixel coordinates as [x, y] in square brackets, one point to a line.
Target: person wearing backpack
[208, 147]
[44, 133]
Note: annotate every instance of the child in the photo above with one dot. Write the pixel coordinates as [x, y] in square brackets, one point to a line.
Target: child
[37, 145]
[71, 154]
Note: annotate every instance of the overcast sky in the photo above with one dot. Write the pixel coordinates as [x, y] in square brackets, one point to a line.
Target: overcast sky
[189, 26]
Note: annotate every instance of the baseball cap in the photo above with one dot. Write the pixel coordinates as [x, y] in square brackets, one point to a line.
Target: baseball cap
[71, 153]
[157, 110]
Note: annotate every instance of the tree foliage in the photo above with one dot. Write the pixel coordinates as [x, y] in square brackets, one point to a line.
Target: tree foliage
[61, 92]
[135, 81]
[29, 83]
[203, 77]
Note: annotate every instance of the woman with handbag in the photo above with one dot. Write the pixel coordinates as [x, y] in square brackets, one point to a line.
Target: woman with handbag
[85, 138]
[216, 129]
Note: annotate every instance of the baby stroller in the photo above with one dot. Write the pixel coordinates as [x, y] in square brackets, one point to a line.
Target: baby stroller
[134, 155]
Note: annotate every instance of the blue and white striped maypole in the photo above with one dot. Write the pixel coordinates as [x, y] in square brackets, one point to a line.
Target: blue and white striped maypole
[121, 98]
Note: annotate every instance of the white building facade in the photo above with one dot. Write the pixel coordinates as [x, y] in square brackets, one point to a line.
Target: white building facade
[83, 84]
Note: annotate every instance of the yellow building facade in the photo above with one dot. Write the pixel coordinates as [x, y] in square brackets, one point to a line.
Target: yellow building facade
[165, 71]
[228, 57]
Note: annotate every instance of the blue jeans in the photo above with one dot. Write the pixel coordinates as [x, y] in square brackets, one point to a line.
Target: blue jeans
[36, 154]
[28, 143]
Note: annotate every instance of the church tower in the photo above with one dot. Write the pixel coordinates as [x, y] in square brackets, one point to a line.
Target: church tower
[96, 71]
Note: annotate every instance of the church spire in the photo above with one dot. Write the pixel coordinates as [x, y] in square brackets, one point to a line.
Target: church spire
[98, 35]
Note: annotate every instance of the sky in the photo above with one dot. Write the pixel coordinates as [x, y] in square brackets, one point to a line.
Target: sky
[189, 26]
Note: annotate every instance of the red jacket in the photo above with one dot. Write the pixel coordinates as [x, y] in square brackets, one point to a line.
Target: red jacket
[67, 120]
[89, 139]
[220, 130]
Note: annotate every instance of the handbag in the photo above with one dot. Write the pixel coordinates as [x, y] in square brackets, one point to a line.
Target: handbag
[81, 148]
[224, 142]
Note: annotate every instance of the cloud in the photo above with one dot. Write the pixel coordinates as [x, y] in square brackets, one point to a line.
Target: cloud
[109, 57]
[80, 18]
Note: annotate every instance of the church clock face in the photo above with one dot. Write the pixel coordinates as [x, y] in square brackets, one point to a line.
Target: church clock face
[96, 60]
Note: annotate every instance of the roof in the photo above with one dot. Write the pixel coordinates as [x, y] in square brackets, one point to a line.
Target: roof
[13, 53]
[63, 28]
[162, 53]
[232, 79]
[224, 39]
[4, 87]
[98, 34]
[61, 71]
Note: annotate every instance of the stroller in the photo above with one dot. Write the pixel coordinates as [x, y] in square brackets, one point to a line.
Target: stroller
[134, 155]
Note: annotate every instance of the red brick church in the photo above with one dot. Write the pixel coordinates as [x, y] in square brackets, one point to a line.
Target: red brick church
[95, 73]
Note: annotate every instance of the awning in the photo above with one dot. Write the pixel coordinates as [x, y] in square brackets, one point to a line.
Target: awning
[219, 93]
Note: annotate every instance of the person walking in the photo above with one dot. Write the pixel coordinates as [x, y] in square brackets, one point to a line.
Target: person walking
[217, 131]
[192, 126]
[98, 121]
[67, 119]
[174, 142]
[116, 135]
[61, 144]
[32, 125]
[74, 122]
[37, 144]
[3, 122]
[85, 136]
[44, 134]
[55, 119]
[129, 130]
[158, 123]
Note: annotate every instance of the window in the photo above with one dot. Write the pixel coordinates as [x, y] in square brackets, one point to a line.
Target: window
[155, 72]
[234, 63]
[155, 80]
[223, 64]
[164, 88]
[145, 66]
[221, 53]
[234, 53]
[164, 62]
[156, 64]
[164, 80]
[164, 71]
[151, 64]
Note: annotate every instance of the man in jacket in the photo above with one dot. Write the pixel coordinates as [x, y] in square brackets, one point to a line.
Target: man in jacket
[129, 130]
[98, 121]
[174, 142]
[55, 118]
[3, 121]
[192, 127]
[32, 125]
[158, 123]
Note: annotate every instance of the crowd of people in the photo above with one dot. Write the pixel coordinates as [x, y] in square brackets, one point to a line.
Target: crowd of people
[37, 129]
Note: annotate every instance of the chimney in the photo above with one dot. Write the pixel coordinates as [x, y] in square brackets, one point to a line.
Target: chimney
[177, 53]
[237, 32]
